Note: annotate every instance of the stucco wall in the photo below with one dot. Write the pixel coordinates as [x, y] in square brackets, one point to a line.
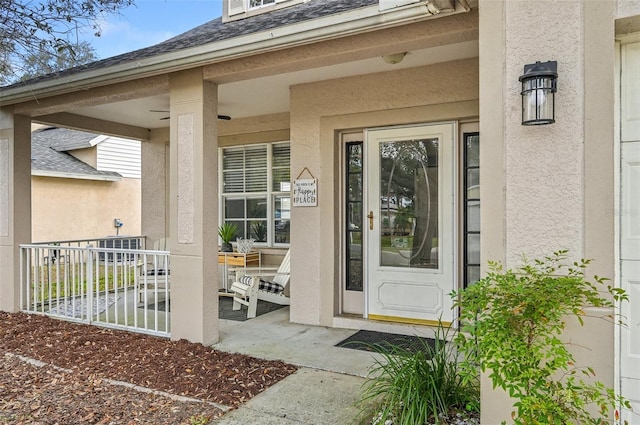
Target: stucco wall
[544, 164]
[550, 187]
[65, 209]
[627, 8]
[431, 93]
[155, 185]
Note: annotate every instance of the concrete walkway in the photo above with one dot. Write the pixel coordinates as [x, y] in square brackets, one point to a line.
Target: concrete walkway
[326, 388]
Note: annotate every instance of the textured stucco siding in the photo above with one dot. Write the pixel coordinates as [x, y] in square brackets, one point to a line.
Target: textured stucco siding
[64, 209]
[544, 164]
[552, 186]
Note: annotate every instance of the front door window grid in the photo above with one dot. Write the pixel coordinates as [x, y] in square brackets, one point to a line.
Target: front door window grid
[354, 215]
[471, 208]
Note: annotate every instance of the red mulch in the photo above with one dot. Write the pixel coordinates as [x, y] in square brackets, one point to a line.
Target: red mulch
[89, 356]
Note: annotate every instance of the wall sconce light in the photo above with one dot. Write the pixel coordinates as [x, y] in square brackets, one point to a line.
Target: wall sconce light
[394, 58]
[538, 93]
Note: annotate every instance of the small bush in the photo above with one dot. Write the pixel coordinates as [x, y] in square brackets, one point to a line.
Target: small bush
[420, 386]
[512, 321]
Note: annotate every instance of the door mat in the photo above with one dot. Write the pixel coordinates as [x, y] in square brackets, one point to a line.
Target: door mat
[225, 309]
[382, 341]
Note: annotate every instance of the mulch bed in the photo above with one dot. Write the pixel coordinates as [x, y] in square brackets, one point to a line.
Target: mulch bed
[90, 357]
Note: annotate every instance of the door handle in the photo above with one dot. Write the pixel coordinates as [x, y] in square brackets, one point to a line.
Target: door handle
[370, 217]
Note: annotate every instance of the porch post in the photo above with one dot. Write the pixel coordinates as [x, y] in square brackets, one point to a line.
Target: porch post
[15, 202]
[545, 187]
[193, 202]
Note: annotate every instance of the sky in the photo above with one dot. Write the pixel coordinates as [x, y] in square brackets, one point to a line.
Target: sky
[149, 22]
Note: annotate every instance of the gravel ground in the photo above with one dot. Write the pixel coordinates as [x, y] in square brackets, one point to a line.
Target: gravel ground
[88, 375]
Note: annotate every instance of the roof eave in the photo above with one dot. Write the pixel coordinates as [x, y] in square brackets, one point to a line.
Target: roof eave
[79, 176]
[348, 23]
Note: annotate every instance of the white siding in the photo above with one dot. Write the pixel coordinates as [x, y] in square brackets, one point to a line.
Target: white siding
[120, 155]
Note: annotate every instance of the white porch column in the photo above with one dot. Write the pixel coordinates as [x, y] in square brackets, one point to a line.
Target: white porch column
[15, 203]
[193, 198]
[548, 187]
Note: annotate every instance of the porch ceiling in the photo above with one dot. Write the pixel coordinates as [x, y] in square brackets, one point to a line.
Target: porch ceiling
[270, 94]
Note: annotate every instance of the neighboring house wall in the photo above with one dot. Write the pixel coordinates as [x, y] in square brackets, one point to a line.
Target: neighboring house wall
[71, 200]
[64, 209]
[87, 155]
[120, 155]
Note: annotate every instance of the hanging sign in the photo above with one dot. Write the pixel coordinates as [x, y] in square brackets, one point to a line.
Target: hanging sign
[305, 191]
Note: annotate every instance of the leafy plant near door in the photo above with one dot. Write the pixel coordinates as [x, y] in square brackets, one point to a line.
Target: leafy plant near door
[512, 321]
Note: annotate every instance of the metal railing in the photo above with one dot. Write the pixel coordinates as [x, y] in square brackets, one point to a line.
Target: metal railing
[111, 282]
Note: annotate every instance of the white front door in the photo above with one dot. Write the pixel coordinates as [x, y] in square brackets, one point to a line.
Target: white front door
[630, 229]
[630, 277]
[410, 223]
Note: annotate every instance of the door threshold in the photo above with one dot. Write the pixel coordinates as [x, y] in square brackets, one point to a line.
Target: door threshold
[357, 322]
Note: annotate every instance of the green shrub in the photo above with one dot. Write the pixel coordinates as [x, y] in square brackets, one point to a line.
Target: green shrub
[512, 321]
[420, 386]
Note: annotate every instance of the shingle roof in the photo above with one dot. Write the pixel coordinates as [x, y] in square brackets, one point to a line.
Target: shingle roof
[216, 30]
[48, 152]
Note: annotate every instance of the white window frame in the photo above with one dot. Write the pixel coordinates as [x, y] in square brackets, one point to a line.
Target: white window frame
[270, 194]
[262, 4]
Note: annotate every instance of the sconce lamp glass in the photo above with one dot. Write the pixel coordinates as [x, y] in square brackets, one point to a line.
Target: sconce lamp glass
[538, 93]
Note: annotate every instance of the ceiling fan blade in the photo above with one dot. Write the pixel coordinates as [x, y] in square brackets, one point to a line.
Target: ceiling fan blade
[220, 117]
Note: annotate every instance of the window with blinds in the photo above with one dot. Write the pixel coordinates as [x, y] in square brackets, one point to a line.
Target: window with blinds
[245, 169]
[256, 191]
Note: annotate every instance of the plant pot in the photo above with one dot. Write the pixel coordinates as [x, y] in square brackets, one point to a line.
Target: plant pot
[226, 247]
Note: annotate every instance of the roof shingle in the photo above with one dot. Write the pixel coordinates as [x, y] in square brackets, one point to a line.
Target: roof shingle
[48, 152]
[216, 30]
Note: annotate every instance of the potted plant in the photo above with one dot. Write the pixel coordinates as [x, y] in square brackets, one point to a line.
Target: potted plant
[227, 232]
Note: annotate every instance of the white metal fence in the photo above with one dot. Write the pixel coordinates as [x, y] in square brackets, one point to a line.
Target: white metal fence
[112, 282]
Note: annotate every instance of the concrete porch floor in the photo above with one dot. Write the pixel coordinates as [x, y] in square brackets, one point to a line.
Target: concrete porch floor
[324, 390]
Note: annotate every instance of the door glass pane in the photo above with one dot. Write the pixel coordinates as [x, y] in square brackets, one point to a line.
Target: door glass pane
[473, 178]
[473, 248]
[473, 216]
[353, 219]
[354, 270]
[473, 275]
[473, 150]
[409, 203]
